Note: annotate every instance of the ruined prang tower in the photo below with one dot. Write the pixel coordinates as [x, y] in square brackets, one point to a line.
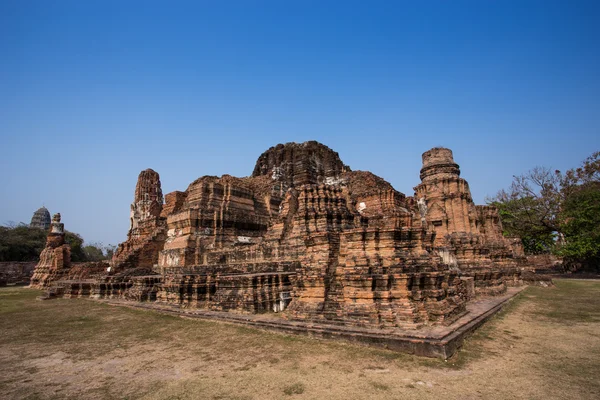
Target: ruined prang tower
[467, 236]
[41, 219]
[146, 235]
[444, 196]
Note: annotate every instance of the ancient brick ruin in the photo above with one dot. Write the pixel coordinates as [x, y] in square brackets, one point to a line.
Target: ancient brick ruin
[307, 237]
[16, 272]
[55, 259]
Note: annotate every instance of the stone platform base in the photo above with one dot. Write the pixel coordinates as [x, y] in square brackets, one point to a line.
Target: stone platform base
[438, 342]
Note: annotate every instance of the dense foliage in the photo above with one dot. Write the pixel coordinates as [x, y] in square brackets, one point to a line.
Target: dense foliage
[23, 243]
[555, 212]
[581, 227]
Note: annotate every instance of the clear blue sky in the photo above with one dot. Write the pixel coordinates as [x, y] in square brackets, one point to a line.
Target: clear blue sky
[92, 92]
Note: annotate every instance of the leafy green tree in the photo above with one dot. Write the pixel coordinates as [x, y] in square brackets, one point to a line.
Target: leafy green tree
[94, 252]
[530, 209]
[555, 212]
[581, 228]
[24, 243]
[76, 243]
[21, 243]
[109, 251]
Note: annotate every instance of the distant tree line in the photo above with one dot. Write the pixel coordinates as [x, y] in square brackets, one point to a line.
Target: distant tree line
[556, 212]
[24, 243]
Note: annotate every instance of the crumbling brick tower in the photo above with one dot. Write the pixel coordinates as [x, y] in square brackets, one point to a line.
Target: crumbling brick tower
[444, 197]
[55, 259]
[468, 237]
[147, 233]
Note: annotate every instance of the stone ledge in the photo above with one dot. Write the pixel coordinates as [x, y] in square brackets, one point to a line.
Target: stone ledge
[438, 342]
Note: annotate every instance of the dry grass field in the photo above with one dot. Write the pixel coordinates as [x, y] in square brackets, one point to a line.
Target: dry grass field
[545, 345]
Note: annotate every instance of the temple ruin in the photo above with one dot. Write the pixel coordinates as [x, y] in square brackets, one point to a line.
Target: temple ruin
[41, 219]
[55, 259]
[306, 237]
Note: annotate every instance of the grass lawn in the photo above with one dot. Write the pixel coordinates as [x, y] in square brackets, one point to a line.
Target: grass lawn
[545, 345]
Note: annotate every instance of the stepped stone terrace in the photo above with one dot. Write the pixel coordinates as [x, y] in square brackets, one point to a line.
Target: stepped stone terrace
[328, 249]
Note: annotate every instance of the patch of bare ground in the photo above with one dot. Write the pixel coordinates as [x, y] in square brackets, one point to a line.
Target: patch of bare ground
[545, 345]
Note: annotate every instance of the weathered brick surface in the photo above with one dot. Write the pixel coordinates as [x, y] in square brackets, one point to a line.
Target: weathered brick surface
[467, 236]
[147, 228]
[16, 271]
[55, 259]
[306, 236]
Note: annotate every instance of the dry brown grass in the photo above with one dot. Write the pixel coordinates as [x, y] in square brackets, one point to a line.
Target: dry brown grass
[546, 345]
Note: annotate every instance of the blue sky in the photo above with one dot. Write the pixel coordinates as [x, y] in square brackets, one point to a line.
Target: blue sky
[92, 92]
